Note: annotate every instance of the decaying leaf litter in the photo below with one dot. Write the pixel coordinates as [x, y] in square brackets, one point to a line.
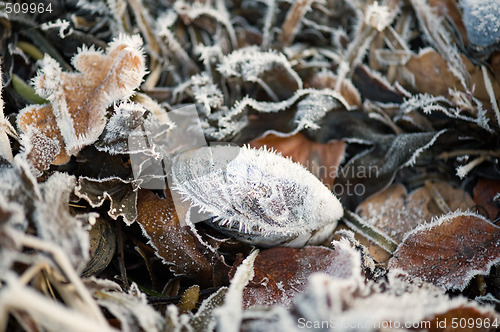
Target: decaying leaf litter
[390, 106]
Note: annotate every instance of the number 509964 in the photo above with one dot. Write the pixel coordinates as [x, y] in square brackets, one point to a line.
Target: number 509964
[25, 8]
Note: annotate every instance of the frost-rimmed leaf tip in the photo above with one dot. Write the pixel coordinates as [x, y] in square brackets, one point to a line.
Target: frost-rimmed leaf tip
[257, 196]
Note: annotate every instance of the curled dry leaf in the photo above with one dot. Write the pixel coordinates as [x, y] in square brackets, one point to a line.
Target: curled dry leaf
[120, 193]
[282, 273]
[172, 242]
[102, 247]
[76, 115]
[449, 251]
[251, 65]
[321, 159]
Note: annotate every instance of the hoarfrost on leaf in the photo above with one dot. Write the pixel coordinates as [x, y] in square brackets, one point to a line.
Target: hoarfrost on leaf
[480, 18]
[313, 108]
[55, 223]
[250, 63]
[131, 309]
[449, 251]
[206, 92]
[256, 195]
[76, 115]
[229, 315]
[436, 33]
[121, 194]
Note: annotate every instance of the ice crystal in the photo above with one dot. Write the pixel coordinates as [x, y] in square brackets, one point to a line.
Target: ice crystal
[63, 26]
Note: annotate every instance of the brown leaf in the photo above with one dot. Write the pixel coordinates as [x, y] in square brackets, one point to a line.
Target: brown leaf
[431, 74]
[322, 160]
[328, 80]
[395, 212]
[172, 242]
[282, 273]
[76, 115]
[484, 196]
[449, 251]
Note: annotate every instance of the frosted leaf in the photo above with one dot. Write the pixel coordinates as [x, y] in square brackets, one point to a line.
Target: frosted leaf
[191, 11]
[257, 196]
[39, 149]
[76, 115]
[458, 105]
[120, 193]
[229, 315]
[249, 63]
[433, 28]
[480, 18]
[450, 251]
[204, 319]
[206, 92]
[172, 242]
[396, 212]
[282, 273]
[127, 128]
[12, 221]
[131, 309]
[228, 125]
[55, 224]
[421, 149]
[312, 109]
[375, 167]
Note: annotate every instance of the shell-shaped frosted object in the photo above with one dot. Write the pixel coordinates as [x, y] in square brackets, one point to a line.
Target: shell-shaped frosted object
[256, 196]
